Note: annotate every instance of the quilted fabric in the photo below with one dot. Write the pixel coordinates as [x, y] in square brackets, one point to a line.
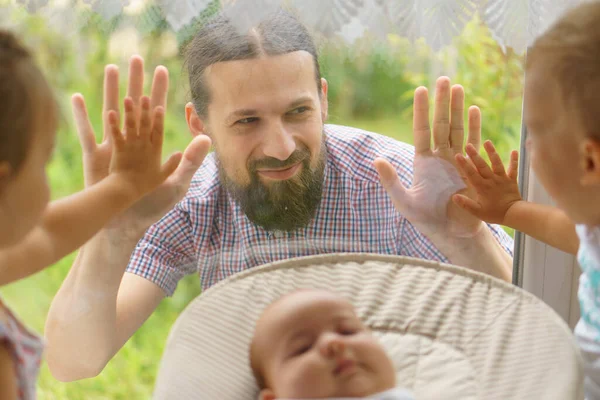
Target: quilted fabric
[452, 333]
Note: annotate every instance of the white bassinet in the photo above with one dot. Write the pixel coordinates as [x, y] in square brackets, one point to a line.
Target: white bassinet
[452, 333]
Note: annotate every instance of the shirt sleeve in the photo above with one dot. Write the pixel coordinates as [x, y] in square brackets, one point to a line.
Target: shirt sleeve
[503, 238]
[167, 251]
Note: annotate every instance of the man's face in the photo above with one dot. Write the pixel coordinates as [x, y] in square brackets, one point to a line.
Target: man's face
[266, 119]
[311, 344]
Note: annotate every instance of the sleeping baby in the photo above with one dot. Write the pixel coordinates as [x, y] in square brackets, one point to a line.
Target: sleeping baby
[310, 344]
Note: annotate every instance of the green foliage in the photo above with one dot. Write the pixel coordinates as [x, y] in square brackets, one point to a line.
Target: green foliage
[495, 80]
[492, 79]
[370, 86]
[365, 81]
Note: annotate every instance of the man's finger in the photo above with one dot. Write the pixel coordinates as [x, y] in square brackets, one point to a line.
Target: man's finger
[474, 136]
[135, 89]
[160, 88]
[441, 114]
[85, 131]
[171, 165]
[421, 130]
[391, 183]
[457, 125]
[192, 159]
[513, 165]
[111, 97]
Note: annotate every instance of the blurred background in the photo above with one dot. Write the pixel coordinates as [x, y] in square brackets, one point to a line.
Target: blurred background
[371, 84]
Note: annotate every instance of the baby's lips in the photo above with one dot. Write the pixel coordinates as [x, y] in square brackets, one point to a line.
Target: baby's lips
[344, 365]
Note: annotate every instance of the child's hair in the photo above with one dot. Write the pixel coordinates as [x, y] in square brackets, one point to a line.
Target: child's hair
[27, 103]
[570, 52]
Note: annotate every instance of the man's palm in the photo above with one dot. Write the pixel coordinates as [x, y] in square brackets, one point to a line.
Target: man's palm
[427, 204]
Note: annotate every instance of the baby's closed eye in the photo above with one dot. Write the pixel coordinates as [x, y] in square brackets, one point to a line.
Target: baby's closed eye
[301, 347]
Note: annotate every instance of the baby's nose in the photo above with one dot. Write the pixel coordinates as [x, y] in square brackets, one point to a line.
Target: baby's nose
[337, 347]
[333, 347]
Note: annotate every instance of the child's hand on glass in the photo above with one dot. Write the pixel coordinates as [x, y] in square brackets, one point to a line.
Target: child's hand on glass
[137, 150]
[497, 189]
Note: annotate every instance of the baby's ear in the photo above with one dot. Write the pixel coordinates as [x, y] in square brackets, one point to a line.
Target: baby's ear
[590, 160]
[266, 394]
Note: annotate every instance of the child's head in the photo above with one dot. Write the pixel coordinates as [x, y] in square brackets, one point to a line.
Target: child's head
[28, 121]
[311, 344]
[562, 112]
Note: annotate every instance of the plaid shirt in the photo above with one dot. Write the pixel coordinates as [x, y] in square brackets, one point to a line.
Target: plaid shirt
[207, 232]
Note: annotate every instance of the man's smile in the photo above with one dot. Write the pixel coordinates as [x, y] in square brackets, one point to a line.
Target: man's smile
[280, 174]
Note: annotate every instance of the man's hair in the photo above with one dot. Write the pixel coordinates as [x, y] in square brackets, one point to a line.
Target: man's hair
[220, 40]
[570, 52]
[26, 101]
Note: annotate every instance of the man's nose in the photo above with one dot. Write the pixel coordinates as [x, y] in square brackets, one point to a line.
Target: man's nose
[278, 143]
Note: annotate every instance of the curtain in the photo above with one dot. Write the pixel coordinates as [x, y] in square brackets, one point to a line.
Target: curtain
[512, 23]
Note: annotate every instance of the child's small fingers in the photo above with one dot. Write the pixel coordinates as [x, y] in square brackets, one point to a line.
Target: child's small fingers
[115, 132]
[158, 126]
[145, 131]
[469, 171]
[513, 165]
[170, 165]
[497, 165]
[478, 162]
[467, 204]
[130, 119]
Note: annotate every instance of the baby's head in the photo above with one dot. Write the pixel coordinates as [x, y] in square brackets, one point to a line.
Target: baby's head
[562, 112]
[28, 122]
[311, 344]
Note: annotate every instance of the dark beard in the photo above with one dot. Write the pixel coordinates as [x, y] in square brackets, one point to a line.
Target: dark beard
[287, 205]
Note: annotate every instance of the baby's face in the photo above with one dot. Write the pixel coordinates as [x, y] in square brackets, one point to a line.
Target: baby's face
[557, 145]
[311, 344]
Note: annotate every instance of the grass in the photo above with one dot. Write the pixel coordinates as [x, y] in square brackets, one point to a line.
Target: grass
[131, 373]
[392, 126]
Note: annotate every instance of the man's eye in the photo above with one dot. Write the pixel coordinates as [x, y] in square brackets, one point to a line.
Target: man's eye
[247, 120]
[299, 110]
